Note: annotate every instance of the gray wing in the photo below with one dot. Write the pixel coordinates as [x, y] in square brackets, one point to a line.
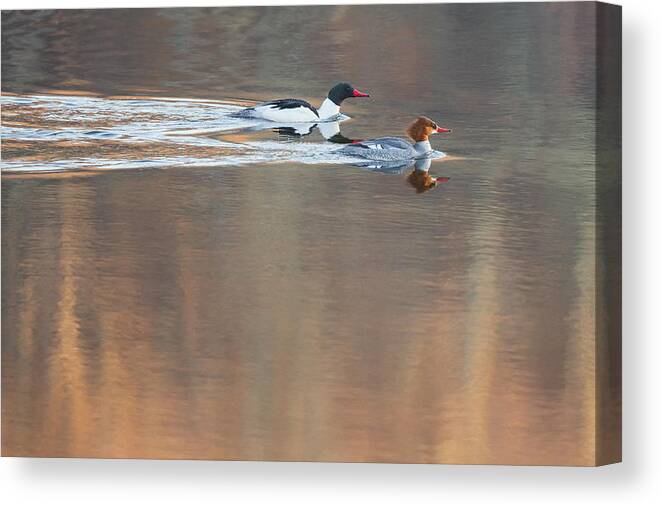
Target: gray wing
[384, 148]
[385, 143]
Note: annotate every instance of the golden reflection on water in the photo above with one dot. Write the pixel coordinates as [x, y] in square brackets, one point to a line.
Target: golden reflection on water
[295, 335]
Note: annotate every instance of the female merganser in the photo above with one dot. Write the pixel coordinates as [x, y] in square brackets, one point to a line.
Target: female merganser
[293, 110]
[394, 148]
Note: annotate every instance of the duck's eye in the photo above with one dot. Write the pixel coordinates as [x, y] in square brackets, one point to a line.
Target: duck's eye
[434, 126]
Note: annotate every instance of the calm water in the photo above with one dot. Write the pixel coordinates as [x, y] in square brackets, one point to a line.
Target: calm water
[178, 284]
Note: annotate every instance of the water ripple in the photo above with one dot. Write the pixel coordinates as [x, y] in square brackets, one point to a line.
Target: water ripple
[46, 133]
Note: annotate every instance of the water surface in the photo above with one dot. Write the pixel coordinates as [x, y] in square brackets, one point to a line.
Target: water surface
[180, 285]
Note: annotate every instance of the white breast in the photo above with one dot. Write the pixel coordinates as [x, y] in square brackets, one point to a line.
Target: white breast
[328, 109]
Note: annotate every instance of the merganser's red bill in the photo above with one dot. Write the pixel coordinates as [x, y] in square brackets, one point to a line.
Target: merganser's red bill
[443, 130]
[357, 93]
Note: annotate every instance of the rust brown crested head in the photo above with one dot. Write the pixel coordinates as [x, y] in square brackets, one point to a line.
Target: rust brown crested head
[422, 128]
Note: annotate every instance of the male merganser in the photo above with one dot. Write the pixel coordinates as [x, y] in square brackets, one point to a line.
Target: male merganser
[294, 110]
[394, 148]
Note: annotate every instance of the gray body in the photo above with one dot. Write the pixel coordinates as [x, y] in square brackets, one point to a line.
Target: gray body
[387, 149]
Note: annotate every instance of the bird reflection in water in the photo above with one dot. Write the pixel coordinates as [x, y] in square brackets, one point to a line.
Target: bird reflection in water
[330, 130]
[421, 179]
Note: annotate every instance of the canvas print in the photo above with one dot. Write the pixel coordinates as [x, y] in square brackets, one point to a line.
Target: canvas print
[342, 233]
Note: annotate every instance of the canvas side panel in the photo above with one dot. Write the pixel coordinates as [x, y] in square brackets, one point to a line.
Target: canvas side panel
[608, 444]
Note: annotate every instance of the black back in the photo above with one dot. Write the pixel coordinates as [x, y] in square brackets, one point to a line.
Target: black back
[290, 103]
